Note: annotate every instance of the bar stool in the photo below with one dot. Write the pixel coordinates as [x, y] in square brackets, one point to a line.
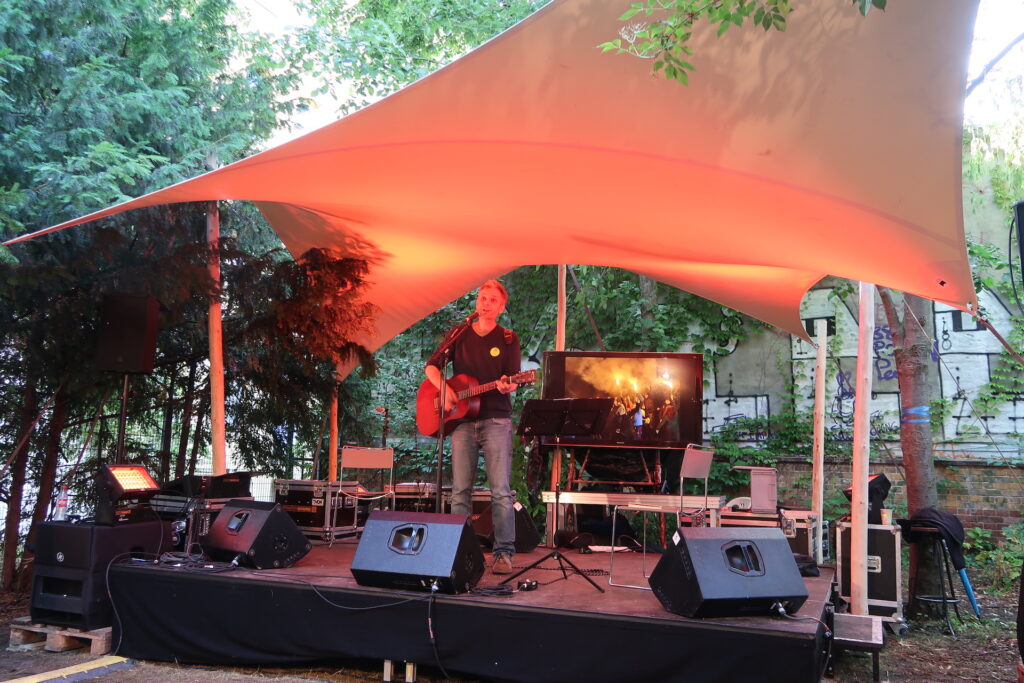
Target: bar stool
[947, 594]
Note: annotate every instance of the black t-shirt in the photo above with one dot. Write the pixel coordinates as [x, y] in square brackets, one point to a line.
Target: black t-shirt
[486, 359]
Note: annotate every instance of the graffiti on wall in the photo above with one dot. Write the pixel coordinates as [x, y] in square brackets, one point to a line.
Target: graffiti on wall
[963, 354]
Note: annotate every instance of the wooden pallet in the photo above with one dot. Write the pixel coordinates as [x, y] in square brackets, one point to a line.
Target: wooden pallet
[27, 636]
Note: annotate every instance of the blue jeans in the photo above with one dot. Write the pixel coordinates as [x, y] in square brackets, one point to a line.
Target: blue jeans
[494, 436]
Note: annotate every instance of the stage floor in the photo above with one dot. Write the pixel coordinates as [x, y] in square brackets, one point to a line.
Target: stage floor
[563, 630]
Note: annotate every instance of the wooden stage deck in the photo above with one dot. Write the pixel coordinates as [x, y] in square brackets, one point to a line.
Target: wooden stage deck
[563, 630]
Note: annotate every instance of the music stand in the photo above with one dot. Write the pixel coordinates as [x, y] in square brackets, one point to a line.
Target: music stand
[561, 417]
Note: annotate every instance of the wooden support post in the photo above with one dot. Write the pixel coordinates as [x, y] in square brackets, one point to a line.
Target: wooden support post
[332, 444]
[217, 436]
[861, 452]
[818, 469]
[556, 456]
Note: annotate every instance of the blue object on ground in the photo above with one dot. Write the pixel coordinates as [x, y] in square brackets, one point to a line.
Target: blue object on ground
[970, 592]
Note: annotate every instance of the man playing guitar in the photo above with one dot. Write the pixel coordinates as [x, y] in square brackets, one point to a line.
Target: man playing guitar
[490, 353]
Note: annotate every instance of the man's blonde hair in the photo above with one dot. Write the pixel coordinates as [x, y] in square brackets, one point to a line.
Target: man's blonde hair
[494, 284]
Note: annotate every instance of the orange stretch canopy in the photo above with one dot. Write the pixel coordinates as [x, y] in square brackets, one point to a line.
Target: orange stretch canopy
[830, 149]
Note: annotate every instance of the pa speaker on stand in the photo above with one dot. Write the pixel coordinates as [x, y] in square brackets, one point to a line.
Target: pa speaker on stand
[126, 343]
[126, 336]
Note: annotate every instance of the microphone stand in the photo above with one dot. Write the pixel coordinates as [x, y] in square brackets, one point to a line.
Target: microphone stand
[445, 350]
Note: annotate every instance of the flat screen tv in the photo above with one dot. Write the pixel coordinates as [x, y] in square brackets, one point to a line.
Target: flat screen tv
[656, 397]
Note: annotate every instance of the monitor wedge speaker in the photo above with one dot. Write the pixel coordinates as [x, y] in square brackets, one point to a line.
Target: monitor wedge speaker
[256, 534]
[723, 572]
[416, 550]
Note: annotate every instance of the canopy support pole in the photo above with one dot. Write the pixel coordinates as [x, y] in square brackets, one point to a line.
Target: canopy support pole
[861, 453]
[556, 457]
[216, 344]
[818, 469]
[332, 442]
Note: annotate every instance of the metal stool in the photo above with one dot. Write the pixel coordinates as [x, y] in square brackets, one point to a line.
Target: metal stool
[942, 562]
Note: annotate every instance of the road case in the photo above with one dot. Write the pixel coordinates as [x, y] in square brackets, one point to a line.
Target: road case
[321, 509]
[885, 575]
[796, 525]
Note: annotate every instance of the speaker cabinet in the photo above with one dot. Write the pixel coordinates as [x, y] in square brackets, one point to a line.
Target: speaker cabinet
[69, 585]
[126, 337]
[261, 535]
[724, 572]
[527, 536]
[413, 550]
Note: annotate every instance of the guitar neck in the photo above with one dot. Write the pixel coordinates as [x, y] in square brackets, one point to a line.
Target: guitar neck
[477, 390]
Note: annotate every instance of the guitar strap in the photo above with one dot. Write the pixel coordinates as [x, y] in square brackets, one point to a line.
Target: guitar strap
[508, 335]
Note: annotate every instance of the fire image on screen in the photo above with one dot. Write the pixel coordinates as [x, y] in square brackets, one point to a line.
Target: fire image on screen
[656, 397]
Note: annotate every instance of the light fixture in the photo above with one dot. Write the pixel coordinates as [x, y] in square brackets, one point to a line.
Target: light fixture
[117, 484]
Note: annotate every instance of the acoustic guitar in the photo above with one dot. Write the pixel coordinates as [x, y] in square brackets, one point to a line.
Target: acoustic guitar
[468, 391]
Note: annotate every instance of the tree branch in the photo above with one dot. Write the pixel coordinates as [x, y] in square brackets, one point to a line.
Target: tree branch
[988, 67]
[895, 327]
[1009, 349]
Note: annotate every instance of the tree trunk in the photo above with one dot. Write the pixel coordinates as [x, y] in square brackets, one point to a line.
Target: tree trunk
[29, 405]
[47, 478]
[912, 352]
[186, 422]
[204, 407]
[648, 307]
[165, 436]
[913, 358]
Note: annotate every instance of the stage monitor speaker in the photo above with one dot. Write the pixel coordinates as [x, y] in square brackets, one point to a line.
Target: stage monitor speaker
[258, 534]
[69, 584]
[415, 550]
[527, 536]
[723, 572]
[126, 337]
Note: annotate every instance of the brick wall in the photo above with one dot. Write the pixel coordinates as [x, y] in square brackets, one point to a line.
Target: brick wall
[984, 495]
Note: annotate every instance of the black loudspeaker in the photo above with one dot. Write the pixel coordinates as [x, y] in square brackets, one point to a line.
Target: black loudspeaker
[126, 337]
[725, 572]
[69, 585]
[415, 550]
[258, 534]
[527, 536]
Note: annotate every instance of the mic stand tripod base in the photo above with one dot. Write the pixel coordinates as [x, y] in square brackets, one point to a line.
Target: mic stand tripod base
[562, 561]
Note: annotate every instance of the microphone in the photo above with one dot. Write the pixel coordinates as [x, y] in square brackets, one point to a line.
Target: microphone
[470, 318]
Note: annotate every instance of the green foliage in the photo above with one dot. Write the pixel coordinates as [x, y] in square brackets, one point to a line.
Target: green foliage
[106, 100]
[990, 270]
[661, 30]
[999, 563]
[993, 159]
[371, 48]
[631, 313]
[310, 308]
